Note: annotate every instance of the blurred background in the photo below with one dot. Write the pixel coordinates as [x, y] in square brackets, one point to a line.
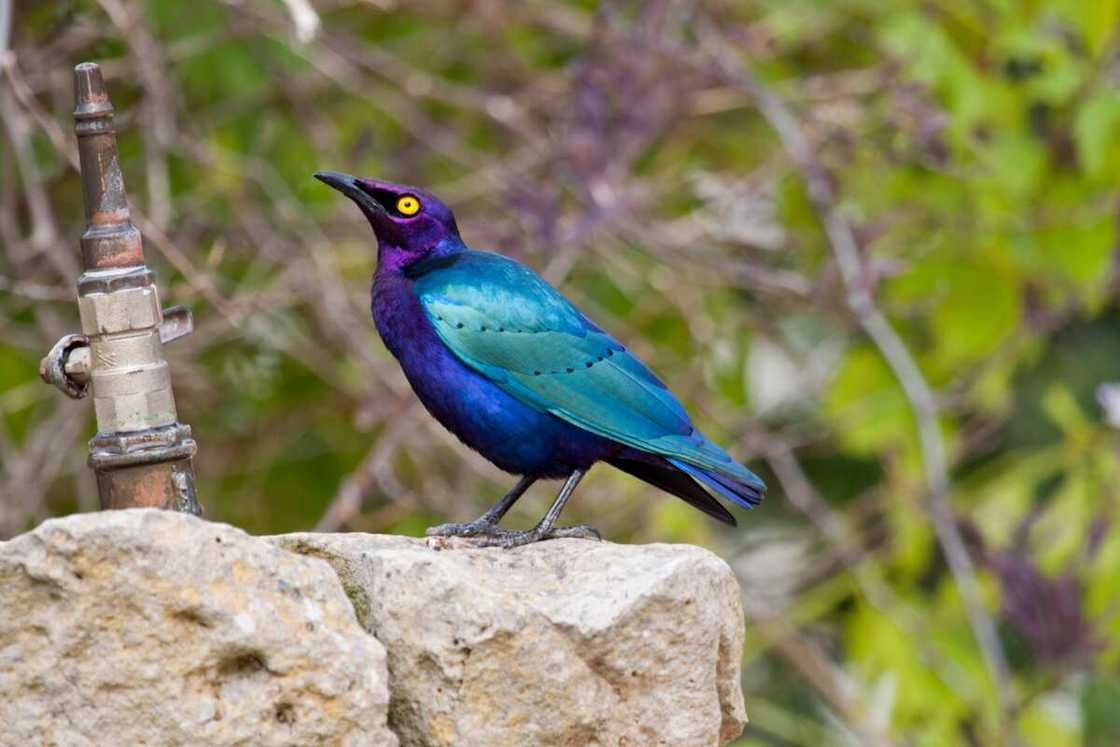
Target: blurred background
[872, 244]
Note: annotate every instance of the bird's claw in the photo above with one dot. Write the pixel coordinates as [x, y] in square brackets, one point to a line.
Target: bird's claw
[475, 528]
[579, 531]
[508, 539]
[481, 533]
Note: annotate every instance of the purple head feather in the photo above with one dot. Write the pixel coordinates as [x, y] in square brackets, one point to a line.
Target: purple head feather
[409, 222]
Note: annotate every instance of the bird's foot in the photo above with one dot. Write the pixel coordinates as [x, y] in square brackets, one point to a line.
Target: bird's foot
[476, 528]
[508, 539]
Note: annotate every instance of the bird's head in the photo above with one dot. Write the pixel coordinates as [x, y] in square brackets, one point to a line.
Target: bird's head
[409, 222]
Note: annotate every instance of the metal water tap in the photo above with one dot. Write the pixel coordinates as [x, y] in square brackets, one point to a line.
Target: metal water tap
[142, 455]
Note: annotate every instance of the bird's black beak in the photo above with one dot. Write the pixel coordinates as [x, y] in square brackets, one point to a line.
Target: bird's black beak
[352, 188]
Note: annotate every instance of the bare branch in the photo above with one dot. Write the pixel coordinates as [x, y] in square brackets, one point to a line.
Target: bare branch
[158, 110]
[304, 18]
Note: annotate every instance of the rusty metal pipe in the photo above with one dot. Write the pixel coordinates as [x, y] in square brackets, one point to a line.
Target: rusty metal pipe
[142, 455]
[110, 239]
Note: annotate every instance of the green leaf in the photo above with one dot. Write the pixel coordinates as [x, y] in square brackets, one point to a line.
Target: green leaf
[868, 409]
[1097, 133]
[1097, 20]
[1099, 715]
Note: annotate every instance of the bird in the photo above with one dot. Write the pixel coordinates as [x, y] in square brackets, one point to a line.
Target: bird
[514, 370]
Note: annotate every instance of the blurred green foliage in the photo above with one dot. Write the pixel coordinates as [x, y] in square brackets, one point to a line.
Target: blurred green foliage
[974, 146]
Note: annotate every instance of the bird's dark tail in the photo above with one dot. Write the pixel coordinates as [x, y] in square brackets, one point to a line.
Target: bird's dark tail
[661, 474]
[747, 494]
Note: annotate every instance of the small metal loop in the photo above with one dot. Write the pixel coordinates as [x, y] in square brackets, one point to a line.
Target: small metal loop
[52, 369]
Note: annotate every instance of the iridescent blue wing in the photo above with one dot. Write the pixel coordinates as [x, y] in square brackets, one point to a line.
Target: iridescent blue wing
[504, 321]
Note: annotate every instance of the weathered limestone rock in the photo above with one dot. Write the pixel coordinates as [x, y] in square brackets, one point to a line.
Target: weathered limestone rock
[566, 642]
[147, 627]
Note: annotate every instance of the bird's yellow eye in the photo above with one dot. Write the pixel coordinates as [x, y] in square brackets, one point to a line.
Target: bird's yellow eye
[408, 205]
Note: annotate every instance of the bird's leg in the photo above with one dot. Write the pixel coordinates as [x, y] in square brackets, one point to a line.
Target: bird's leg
[546, 529]
[488, 522]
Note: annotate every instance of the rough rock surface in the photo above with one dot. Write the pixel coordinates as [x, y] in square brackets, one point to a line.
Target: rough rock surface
[147, 627]
[566, 642]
